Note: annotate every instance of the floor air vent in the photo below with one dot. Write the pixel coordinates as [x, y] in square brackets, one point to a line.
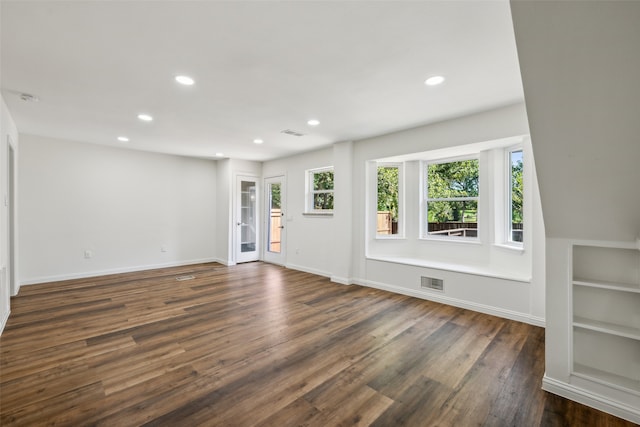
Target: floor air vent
[183, 278]
[431, 283]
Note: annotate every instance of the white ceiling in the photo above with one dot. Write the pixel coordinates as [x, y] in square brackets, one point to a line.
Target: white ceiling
[260, 67]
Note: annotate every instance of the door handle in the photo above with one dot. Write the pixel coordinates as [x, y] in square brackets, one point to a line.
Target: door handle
[241, 223]
[282, 226]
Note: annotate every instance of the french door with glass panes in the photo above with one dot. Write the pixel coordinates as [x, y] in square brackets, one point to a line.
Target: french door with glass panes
[275, 231]
[246, 219]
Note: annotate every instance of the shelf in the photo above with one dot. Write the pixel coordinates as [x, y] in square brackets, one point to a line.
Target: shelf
[608, 328]
[606, 378]
[613, 286]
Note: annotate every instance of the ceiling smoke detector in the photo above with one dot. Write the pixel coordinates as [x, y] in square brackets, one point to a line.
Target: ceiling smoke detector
[27, 97]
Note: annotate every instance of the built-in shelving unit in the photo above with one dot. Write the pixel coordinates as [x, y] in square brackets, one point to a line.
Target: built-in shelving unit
[605, 290]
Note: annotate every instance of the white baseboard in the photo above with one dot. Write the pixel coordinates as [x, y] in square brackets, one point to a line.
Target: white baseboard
[3, 321]
[225, 262]
[341, 280]
[308, 270]
[84, 275]
[443, 299]
[593, 400]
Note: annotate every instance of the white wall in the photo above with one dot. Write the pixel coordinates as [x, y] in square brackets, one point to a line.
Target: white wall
[324, 244]
[580, 64]
[224, 245]
[122, 205]
[310, 241]
[7, 130]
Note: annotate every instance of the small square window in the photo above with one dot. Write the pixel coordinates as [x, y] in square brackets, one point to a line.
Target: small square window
[320, 186]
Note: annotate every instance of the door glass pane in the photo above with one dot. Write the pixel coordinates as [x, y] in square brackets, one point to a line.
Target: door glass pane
[248, 216]
[275, 222]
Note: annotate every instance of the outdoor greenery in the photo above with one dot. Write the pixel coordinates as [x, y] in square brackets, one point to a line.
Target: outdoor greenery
[516, 187]
[388, 190]
[323, 190]
[276, 202]
[453, 180]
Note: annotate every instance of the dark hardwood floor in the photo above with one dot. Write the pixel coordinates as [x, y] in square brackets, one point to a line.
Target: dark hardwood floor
[257, 344]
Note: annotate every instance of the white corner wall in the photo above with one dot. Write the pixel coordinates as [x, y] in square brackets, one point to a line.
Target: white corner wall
[310, 241]
[131, 210]
[580, 64]
[7, 131]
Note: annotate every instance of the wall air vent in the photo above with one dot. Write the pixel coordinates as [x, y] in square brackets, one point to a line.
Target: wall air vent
[292, 132]
[431, 283]
[183, 278]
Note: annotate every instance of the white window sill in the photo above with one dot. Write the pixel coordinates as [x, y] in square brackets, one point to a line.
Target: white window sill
[511, 248]
[456, 268]
[465, 241]
[318, 214]
[390, 237]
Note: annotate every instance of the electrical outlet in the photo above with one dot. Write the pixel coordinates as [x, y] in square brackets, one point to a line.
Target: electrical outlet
[297, 251]
[163, 248]
[88, 254]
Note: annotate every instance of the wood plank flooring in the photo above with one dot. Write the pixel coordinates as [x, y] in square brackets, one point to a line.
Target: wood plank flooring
[260, 345]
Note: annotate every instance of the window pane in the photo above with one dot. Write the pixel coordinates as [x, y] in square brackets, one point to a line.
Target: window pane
[388, 190]
[275, 218]
[323, 201]
[453, 218]
[323, 180]
[454, 179]
[516, 195]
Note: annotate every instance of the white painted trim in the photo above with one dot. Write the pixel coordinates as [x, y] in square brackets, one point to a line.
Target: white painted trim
[308, 270]
[308, 199]
[494, 311]
[591, 399]
[341, 280]
[224, 262]
[3, 321]
[84, 275]
[456, 268]
[510, 248]
[607, 243]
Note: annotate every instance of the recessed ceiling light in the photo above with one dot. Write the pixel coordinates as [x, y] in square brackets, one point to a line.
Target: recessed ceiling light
[258, 141]
[434, 80]
[185, 80]
[123, 139]
[145, 117]
[219, 154]
[313, 122]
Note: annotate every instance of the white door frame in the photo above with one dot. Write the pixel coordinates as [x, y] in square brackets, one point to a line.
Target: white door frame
[10, 203]
[251, 255]
[268, 256]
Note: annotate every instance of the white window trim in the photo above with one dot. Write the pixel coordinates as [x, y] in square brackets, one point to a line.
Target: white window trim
[506, 241]
[424, 192]
[309, 210]
[401, 216]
